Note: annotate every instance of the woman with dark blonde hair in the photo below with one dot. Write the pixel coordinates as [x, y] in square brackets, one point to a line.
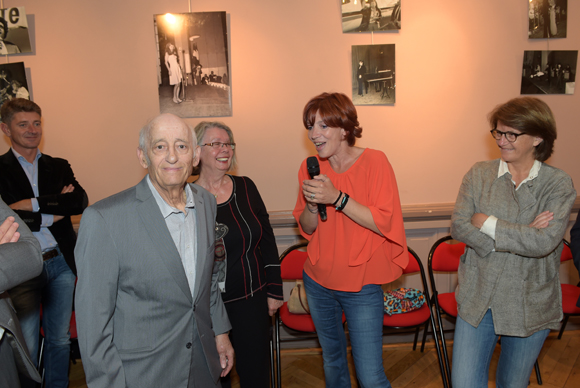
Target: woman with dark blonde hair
[247, 262]
[359, 247]
[512, 214]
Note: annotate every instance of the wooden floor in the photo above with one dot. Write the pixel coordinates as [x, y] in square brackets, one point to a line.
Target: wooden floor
[405, 368]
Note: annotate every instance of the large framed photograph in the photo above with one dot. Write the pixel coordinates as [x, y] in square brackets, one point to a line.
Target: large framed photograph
[373, 74]
[14, 37]
[549, 72]
[193, 70]
[547, 19]
[371, 15]
[13, 82]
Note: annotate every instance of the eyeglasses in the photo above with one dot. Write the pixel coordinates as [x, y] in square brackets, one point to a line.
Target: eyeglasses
[216, 145]
[510, 136]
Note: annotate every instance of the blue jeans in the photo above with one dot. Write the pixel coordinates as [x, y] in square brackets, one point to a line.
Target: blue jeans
[364, 315]
[53, 288]
[473, 348]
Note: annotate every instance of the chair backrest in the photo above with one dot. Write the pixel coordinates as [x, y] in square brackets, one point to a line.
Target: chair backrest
[566, 252]
[292, 261]
[444, 257]
[415, 266]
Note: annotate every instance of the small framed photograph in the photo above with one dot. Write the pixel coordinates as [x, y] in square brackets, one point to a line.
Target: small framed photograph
[549, 72]
[371, 15]
[13, 82]
[373, 74]
[547, 19]
[14, 37]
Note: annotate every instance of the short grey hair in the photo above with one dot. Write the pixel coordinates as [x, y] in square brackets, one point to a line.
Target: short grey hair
[145, 135]
[203, 127]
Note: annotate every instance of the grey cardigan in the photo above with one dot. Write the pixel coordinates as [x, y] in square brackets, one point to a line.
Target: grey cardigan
[517, 274]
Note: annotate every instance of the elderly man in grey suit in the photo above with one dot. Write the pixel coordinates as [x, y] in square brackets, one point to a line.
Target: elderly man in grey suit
[20, 260]
[148, 309]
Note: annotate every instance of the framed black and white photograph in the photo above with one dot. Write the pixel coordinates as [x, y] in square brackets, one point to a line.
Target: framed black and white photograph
[549, 72]
[193, 64]
[373, 74]
[547, 19]
[13, 82]
[14, 37]
[371, 15]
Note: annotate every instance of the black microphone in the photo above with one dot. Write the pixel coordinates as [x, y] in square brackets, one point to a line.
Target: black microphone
[314, 170]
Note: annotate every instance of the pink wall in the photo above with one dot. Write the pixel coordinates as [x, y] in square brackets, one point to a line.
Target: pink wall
[94, 75]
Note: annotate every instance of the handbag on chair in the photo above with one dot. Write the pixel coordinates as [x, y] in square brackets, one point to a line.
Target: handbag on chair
[298, 304]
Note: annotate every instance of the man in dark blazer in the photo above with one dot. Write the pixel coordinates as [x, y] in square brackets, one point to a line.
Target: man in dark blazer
[20, 260]
[575, 245]
[148, 308]
[44, 193]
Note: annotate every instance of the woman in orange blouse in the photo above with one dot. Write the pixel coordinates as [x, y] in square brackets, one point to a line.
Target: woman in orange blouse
[360, 246]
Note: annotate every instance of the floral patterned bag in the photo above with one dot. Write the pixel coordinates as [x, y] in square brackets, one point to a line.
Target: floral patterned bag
[402, 300]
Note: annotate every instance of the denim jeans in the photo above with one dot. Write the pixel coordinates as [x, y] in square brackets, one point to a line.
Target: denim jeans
[364, 316]
[53, 288]
[473, 348]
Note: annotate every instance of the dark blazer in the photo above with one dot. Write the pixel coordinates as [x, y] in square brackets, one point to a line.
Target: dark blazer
[575, 245]
[53, 175]
[19, 262]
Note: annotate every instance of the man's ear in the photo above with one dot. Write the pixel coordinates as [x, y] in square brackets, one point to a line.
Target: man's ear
[6, 129]
[196, 155]
[141, 157]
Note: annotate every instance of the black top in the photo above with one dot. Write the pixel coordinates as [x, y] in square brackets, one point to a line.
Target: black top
[250, 245]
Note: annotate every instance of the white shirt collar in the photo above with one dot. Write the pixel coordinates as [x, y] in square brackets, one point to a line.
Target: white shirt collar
[504, 169]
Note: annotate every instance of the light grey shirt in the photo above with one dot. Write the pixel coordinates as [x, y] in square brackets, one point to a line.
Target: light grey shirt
[182, 229]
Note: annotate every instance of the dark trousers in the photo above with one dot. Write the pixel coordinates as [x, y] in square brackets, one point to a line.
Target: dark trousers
[250, 337]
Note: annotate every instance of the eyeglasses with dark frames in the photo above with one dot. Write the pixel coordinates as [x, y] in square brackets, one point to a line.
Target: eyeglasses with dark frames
[217, 144]
[510, 136]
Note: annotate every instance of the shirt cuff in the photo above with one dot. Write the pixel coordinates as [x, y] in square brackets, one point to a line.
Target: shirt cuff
[488, 226]
[47, 220]
[35, 205]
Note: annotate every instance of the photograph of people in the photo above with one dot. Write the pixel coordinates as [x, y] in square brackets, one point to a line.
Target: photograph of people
[547, 19]
[192, 52]
[371, 15]
[512, 213]
[172, 64]
[359, 247]
[252, 288]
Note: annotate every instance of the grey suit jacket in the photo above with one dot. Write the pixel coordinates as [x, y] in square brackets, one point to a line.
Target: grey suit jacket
[517, 274]
[19, 262]
[137, 322]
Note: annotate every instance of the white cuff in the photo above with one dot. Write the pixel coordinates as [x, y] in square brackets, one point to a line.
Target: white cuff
[488, 226]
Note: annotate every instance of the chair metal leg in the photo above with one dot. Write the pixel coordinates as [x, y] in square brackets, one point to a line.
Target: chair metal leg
[538, 375]
[278, 363]
[424, 336]
[416, 337]
[446, 383]
[272, 369]
[564, 322]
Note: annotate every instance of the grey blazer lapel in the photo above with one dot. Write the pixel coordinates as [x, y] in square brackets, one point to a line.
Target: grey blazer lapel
[202, 240]
[160, 237]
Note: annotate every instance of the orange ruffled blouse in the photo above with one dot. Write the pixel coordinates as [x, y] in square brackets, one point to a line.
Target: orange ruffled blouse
[343, 255]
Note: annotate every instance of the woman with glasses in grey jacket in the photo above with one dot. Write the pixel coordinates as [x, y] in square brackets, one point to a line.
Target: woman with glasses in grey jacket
[512, 214]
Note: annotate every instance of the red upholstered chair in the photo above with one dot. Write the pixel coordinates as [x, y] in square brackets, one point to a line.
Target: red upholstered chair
[444, 257]
[291, 266]
[570, 292]
[417, 318]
